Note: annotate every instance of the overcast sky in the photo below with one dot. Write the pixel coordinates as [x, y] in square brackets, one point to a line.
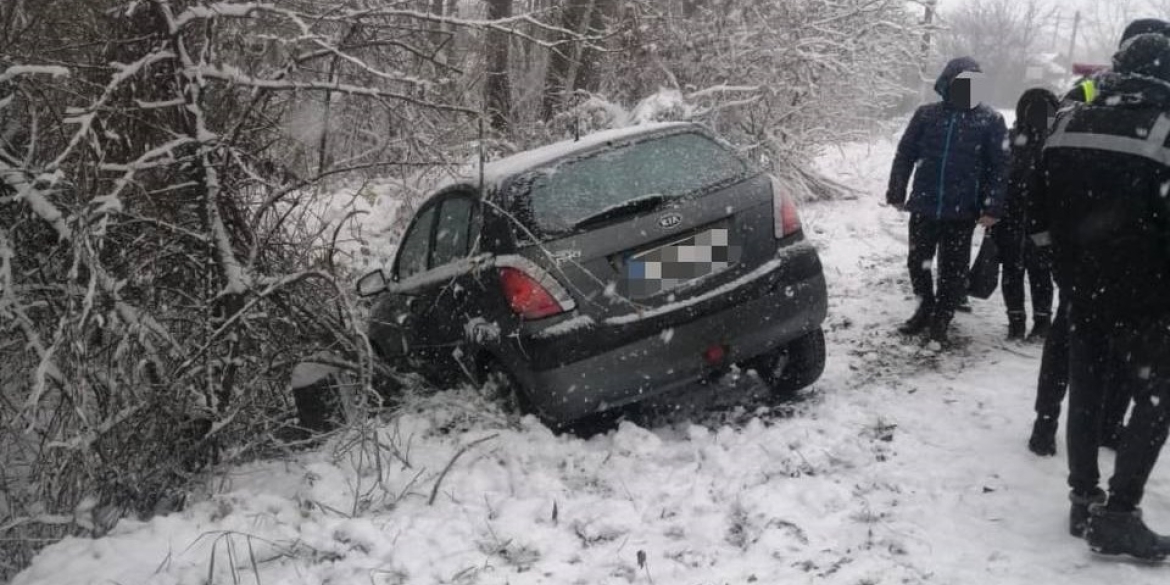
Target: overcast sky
[1101, 24]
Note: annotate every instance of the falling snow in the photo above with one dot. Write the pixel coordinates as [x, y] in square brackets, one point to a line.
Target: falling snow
[901, 465]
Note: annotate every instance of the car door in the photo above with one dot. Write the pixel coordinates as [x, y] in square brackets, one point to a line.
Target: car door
[456, 290]
[398, 323]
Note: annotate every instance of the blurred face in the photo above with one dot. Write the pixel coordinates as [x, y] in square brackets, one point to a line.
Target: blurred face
[968, 90]
[1040, 115]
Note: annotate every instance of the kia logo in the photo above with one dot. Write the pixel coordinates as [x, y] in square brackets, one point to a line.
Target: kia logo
[668, 221]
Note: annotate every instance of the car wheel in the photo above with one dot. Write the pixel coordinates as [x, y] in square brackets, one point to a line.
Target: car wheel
[794, 366]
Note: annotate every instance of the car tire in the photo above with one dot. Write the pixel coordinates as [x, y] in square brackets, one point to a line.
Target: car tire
[794, 366]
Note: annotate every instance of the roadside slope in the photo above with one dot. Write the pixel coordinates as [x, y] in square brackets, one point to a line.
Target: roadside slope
[898, 467]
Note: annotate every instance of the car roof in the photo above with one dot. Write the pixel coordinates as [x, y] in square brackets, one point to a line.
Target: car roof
[498, 171]
[495, 173]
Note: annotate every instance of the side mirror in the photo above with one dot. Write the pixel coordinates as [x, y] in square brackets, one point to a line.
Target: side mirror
[372, 284]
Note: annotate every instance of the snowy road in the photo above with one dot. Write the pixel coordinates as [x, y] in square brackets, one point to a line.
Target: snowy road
[900, 467]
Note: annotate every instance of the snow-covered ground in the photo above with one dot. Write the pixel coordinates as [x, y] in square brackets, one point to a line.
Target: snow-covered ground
[898, 466]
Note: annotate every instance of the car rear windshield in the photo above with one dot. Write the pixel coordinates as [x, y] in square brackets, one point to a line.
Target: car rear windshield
[555, 199]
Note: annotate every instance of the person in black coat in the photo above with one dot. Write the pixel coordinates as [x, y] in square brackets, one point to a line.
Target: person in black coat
[1104, 202]
[1086, 88]
[956, 151]
[1019, 255]
[1054, 365]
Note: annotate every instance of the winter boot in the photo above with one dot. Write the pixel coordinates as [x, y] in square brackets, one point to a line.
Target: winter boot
[1043, 439]
[1040, 328]
[919, 321]
[939, 324]
[1113, 532]
[1017, 326]
[1078, 514]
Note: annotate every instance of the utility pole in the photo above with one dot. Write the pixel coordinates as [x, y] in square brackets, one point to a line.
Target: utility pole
[1072, 42]
[1056, 31]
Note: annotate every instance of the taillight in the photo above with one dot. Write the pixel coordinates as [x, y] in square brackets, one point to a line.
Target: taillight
[715, 354]
[527, 297]
[787, 220]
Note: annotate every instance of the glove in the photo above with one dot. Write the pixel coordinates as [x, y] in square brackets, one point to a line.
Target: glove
[895, 202]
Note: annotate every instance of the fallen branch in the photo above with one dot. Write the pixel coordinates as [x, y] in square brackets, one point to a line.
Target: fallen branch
[451, 463]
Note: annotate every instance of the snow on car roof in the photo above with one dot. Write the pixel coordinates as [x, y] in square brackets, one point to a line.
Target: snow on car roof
[497, 171]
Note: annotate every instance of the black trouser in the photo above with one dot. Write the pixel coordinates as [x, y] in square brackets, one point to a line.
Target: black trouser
[951, 241]
[1021, 257]
[1054, 375]
[1107, 355]
[1054, 366]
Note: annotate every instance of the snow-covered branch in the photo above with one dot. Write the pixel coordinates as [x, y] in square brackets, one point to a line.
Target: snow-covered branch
[722, 89]
[218, 9]
[239, 78]
[18, 70]
[372, 18]
[237, 281]
[85, 118]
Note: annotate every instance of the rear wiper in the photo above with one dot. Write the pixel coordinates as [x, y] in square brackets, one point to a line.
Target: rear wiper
[632, 206]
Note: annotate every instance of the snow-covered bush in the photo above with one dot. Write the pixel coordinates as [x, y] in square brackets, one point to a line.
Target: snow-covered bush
[178, 188]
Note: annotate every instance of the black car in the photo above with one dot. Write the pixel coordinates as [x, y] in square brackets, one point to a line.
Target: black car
[596, 273]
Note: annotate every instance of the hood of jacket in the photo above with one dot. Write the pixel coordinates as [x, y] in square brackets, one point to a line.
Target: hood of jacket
[1141, 74]
[1143, 26]
[1035, 97]
[1146, 54]
[942, 86]
[1032, 99]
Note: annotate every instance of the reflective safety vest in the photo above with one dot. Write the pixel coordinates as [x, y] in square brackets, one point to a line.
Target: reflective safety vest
[1089, 88]
[1152, 147]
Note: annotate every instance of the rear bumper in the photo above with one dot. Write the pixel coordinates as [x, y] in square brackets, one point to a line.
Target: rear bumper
[672, 358]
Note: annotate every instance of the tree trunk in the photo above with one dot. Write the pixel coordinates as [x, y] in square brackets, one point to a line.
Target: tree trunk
[559, 78]
[588, 76]
[498, 85]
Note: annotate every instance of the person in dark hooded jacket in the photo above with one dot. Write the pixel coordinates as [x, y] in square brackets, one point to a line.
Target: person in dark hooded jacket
[1105, 204]
[956, 151]
[1019, 254]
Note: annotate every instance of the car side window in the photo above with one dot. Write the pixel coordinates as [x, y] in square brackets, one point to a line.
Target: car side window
[412, 254]
[454, 233]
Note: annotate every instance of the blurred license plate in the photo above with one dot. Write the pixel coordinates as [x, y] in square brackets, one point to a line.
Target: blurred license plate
[678, 263]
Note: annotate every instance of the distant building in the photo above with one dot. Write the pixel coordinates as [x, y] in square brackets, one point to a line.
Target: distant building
[1046, 70]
